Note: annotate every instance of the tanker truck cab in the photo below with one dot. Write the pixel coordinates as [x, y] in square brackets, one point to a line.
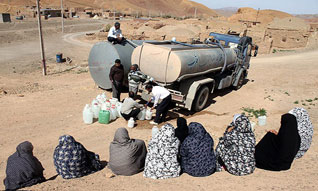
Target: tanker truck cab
[192, 72]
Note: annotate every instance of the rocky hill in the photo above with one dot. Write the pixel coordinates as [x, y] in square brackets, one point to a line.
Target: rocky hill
[154, 7]
[263, 16]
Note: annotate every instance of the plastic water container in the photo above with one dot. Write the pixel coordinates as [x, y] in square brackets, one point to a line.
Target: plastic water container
[113, 114]
[154, 131]
[95, 108]
[59, 57]
[253, 126]
[118, 108]
[148, 114]
[142, 115]
[100, 99]
[88, 114]
[108, 105]
[261, 120]
[131, 123]
[113, 102]
[103, 95]
[104, 117]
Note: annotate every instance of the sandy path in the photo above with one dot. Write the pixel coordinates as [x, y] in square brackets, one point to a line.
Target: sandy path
[42, 116]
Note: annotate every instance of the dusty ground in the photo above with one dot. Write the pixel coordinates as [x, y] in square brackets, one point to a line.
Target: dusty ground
[40, 109]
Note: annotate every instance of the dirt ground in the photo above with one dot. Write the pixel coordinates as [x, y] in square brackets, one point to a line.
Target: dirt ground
[40, 109]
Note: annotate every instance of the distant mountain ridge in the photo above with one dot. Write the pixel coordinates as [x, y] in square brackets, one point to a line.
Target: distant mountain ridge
[226, 11]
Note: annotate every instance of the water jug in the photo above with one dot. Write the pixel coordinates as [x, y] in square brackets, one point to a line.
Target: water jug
[95, 108]
[104, 117]
[131, 123]
[253, 126]
[113, 113]
[104, 96]
[261, 120]
[142, 114]
[108, 105]
[113, 102]
[88, 114]
[148, 114]
[118, 108]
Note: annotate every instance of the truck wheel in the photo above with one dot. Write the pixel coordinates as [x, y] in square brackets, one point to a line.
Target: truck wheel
[201, 98]
[240, 82]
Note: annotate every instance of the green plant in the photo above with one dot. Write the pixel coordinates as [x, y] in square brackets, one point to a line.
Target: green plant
[309, 100]
[316, 98]
[304, 104]
[287, 93]
[274, 50]
[262, 112]
[296, 102]
[256, 113]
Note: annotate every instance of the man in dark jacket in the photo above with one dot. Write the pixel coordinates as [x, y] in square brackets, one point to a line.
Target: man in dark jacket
[116, 76]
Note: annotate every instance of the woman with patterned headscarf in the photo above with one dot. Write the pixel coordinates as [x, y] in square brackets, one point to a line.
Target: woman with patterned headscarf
[235, 150]
[127, 156]
[72, 160]
[23, 169]
[305, 130]
[277, 150]
[196, 151]
[161, 159]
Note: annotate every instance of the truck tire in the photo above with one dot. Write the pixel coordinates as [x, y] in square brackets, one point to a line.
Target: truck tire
[240, 82]
[201, 98]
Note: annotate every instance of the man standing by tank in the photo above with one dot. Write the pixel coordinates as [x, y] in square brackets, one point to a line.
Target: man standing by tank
[162, 108]
[135, 77]
[114, 35]
[116, 76]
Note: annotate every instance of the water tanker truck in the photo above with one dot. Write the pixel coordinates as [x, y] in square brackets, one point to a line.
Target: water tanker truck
[191, 72]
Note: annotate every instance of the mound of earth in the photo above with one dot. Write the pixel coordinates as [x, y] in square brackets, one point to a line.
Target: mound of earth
[289, 23]
[263, 16]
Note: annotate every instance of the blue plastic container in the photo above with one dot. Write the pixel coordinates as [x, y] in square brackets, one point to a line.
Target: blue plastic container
[59, 58]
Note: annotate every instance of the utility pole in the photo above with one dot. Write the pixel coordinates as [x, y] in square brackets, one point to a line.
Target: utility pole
[62, 15]
[41, 37]
[195, 13]
[257, 14]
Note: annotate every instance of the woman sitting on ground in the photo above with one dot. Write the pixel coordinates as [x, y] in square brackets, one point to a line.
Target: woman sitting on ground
[196, 151]
[127, 156]
[182, 130]
[23, 169]
[161, 159]
[72, 160]
[235, 150]
[277, 150]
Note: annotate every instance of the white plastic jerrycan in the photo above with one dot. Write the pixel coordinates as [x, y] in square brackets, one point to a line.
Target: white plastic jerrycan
[113, 113]
[118, 108]
[142, 115]
[261, 120]
[88, 114]
[148, 114]
[131, 123]
[95, 108]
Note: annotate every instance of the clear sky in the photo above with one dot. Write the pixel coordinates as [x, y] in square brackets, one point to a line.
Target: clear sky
[289, 6]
